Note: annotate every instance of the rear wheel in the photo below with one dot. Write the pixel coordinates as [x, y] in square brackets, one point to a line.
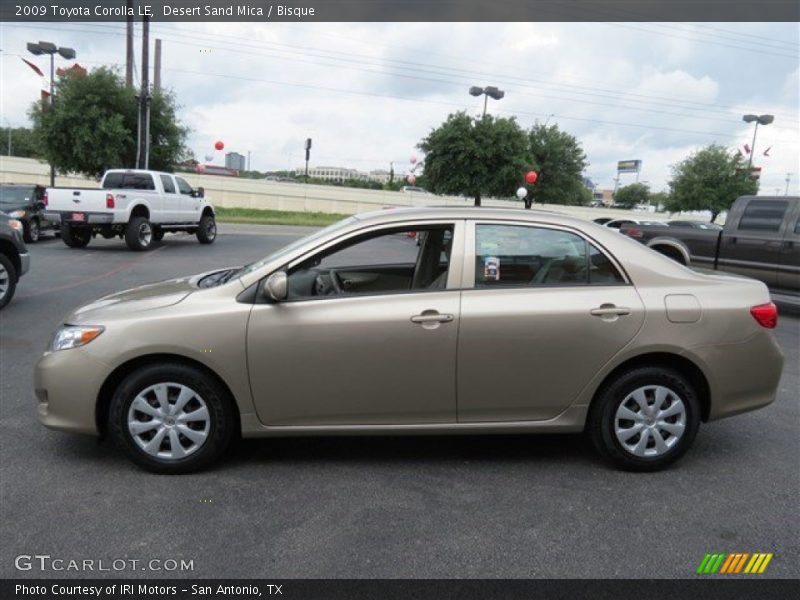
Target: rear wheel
[8, 280]
[645, 419]
[207, 230]
[75, 237]
[171, 418]
[31, 231]
[139, 234]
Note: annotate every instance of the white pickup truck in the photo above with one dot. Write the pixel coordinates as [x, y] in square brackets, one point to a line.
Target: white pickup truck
[139, 206]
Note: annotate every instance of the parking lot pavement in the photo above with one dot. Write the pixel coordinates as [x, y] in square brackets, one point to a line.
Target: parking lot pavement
[519, 506]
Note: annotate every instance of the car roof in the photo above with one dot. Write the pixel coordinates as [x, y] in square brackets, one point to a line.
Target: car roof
[469, 212]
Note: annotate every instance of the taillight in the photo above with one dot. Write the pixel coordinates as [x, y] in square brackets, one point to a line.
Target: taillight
[44, 199]
[637, 233]
[766, 315]
[109, 201]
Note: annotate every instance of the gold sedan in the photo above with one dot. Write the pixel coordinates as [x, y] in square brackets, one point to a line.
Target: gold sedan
[411, 321]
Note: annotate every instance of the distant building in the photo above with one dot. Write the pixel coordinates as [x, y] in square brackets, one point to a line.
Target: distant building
[236, 161]
[380, 176]
[604, 196]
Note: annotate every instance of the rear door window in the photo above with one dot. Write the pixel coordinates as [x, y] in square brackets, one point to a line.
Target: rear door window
[129, 181]
[169, 186]
[763, 215]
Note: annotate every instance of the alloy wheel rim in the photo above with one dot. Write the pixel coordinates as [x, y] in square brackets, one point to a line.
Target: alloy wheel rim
[169, 421]
[34, 231]
[650, 421]
[211, 230]
[145, 234]
[5, 280]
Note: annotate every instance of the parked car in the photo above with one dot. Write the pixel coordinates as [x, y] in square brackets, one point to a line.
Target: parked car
[413, 189]
[695, 225]
[619, 223]
[139, 206]
[27, 203]
[760, 239]
[526, 322]
[14, 257]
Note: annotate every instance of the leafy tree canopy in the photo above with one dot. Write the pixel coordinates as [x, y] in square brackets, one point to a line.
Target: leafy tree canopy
[711, 179]
[93, 125]
[630, 195]
[560, 161]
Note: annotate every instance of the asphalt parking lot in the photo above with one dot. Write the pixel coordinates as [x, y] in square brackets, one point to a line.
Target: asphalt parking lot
[424, 507]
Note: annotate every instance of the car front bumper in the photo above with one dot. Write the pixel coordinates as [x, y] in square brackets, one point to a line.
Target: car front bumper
[67, 384]
[24, 263]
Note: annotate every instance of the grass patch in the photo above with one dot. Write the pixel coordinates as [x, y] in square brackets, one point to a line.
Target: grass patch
[275, 217]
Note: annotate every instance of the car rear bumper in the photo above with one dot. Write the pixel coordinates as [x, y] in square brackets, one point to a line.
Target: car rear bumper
[67, 384]
[746, 375]
[89, 218]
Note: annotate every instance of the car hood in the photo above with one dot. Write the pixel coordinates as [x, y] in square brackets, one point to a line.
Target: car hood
[140, 299]
[9, 208]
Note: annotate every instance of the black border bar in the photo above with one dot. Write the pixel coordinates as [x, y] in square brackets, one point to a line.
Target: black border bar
[707, 587]
[405, 10]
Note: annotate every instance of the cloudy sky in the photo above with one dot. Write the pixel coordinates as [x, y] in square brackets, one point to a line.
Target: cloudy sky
[367, 93]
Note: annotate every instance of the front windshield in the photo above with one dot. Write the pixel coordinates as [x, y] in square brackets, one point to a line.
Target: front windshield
[15, 194]
[254, 266]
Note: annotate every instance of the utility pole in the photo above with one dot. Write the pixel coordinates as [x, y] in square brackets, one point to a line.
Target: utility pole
[157, 67]
[248, 160]
[142, 154]
[785, 193]
[308, 155]
[129, 46]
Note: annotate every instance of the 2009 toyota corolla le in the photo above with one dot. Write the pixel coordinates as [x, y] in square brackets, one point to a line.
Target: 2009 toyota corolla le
[443, 320]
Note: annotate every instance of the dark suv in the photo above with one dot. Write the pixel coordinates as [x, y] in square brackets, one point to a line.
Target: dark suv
[27, 203]
[14, 257]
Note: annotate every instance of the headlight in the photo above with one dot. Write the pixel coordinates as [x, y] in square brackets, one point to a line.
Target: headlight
[18, 214]
[71, 336]
[14, 224]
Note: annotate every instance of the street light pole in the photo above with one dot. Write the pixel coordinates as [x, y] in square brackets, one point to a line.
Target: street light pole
[759, 120]
[488, 91]
[50, 48]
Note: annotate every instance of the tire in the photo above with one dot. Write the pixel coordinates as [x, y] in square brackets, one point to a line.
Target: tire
[139, 234]
[636, 447]
[31, 231]
[210, 436]
[207, 230]
[75, 238]
[8, 280]
[158, 234]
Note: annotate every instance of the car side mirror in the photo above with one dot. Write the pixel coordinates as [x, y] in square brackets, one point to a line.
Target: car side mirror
[276, 287]
[40, 205]
[200, 192]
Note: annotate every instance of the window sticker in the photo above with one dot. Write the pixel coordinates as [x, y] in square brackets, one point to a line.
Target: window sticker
[491, 268]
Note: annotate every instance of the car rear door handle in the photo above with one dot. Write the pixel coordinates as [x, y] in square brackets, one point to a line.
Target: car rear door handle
[609, 310]
[432, 317]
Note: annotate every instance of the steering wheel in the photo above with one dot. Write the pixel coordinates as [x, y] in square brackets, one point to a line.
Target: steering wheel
[336, 282]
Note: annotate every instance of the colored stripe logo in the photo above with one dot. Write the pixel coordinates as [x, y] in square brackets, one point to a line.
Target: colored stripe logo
[734, 563]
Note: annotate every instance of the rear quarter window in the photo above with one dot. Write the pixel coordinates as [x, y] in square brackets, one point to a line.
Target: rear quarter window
[763, 215]
[129, 181]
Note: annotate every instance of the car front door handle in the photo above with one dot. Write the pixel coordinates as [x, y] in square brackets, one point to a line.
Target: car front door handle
[609, 310]
[432, 317]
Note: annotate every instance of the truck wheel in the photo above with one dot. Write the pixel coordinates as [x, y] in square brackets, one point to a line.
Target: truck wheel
[139, 234]
[207, 230]
[75, 238]
[30, 233]
[8, 280]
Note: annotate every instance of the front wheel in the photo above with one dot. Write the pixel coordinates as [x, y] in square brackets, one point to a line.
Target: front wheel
[8, 280]
[171, 418]
[75, 238]
[207, 230]
[645, 419]
[31, 231]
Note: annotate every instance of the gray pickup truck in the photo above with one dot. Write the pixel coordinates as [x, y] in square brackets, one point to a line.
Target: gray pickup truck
[14, 257]
[761, 239]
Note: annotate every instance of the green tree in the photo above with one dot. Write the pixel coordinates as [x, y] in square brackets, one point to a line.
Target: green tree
[93, 125]
[560, 161]
[475, 156]
[711, 179]
[22, 142]
[629, 196]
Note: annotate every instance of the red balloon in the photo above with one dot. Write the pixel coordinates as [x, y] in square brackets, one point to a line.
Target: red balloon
[531, 177]
[219, 145]
[411, 179]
